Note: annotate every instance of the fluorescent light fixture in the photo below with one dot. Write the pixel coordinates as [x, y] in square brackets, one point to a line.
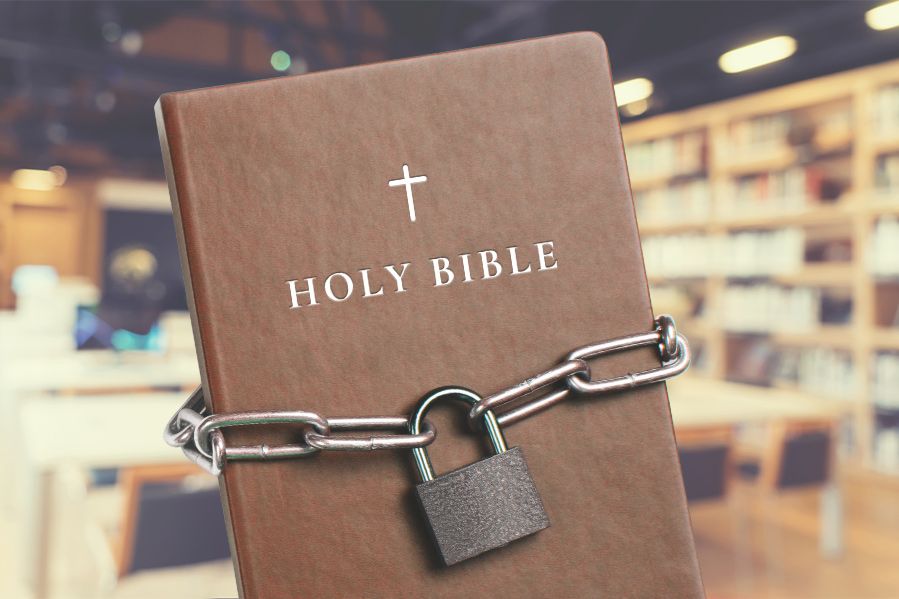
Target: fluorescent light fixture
[633, 90]
[757, 54]
[34, 180]
[885, 16]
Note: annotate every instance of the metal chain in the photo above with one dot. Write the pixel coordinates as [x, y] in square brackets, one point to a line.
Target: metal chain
[199, 434]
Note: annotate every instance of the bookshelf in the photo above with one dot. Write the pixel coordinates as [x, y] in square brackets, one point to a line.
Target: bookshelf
[771, 231]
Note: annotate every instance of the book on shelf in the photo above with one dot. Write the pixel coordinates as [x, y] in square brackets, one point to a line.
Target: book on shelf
[883, 247]
[680, 202]
[791, 189]
[759, 132]
[767, 308]
[667, 157]
[885, 111]
[823, 372]
[886, 175]
[885, 379]
[739, 254]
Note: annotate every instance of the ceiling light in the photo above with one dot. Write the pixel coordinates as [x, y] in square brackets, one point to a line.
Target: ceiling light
[132, 42]
[60, 173]
[105, 101]
[57, 132]
[885, 16]
[33, 179]
[757, 54]
[112, 31]
[635, 108]
[280, 60]
[633, 90]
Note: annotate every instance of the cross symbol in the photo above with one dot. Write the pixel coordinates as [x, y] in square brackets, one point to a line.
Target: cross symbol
[408, 182]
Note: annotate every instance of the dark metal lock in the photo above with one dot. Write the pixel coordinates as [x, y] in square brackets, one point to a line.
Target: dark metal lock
[484, 505]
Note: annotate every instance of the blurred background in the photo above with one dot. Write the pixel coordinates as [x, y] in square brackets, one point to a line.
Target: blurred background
[763, 145]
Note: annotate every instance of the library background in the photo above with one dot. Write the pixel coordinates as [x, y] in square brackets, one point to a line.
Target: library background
[763, 146]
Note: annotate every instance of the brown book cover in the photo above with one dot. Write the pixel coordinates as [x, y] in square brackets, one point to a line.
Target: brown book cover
[281, 187]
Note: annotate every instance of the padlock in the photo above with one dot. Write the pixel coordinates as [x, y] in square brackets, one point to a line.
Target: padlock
[484, 505]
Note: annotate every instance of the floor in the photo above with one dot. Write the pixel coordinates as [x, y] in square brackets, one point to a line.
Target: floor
[778, 557]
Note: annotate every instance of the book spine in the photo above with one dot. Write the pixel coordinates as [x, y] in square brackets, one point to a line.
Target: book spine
[166, 124]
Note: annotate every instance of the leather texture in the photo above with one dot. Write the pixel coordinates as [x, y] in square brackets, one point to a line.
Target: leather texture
[284, 179]
[482, 506]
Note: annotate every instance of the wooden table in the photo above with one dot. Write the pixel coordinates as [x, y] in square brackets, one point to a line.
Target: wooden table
[699, 403]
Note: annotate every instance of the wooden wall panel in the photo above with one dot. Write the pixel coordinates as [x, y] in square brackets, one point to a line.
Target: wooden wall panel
[60, 228]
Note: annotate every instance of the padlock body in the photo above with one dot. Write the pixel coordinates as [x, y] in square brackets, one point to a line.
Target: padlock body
[482, 506]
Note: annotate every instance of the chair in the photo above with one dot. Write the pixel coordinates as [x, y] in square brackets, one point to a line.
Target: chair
[169, 522]
[705, 460]
[799, 455]
[802, 455]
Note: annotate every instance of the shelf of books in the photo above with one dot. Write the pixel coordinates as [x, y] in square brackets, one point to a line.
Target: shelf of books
[770, 228]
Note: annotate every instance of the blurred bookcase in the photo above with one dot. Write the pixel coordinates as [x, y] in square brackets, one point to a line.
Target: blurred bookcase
[770, 226]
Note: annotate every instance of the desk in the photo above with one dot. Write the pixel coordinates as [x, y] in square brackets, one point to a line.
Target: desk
[99, 370]
[85, 371]
[700, 403]
[88, 432]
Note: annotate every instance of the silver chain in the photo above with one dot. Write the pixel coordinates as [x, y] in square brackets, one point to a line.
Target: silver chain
[199, 434]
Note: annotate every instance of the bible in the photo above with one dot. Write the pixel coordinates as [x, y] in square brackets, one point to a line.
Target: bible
[354, 239]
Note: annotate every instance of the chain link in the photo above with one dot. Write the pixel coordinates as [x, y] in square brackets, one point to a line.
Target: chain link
[199, 434]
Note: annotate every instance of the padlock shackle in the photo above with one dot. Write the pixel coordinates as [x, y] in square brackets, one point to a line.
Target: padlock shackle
[467, 397]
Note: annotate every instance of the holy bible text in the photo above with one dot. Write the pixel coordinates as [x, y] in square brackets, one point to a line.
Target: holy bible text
[469, 267]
